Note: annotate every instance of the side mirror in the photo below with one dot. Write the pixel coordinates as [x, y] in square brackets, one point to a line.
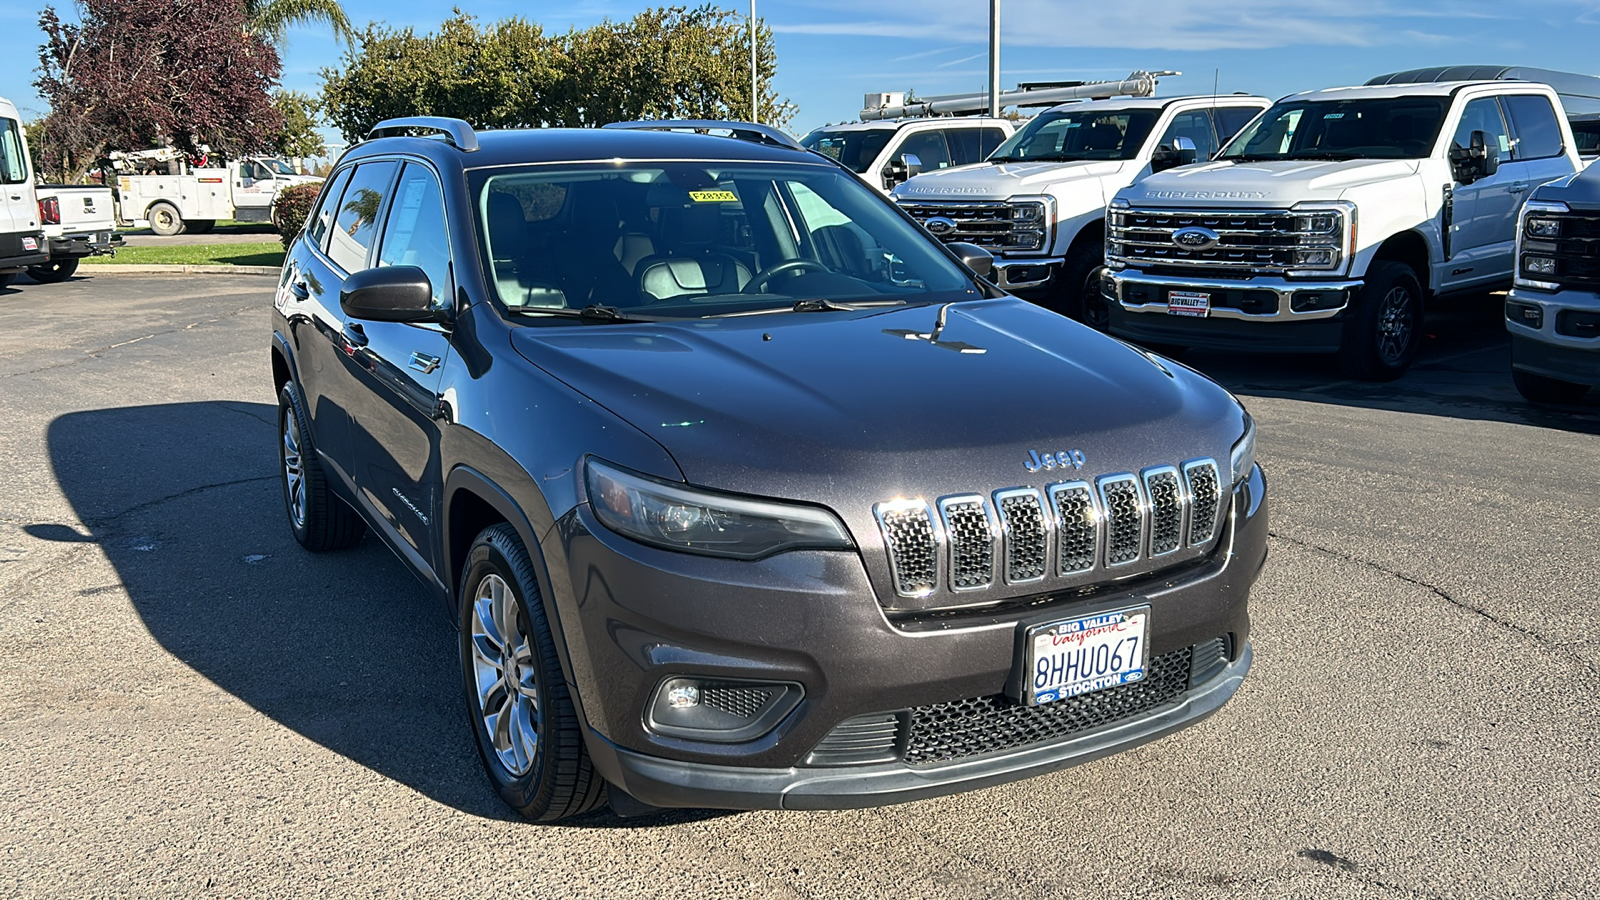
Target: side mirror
[1478, 159]
[979, 260]
[1487, 154]
[1181, 153]
[390, 294]
[899, 171]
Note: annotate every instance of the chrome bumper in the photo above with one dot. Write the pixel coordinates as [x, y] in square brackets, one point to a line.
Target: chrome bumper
[1114, 283]
[1024, 273]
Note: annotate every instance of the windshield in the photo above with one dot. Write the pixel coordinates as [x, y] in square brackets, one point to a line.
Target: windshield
[278, 166]
[1392, 128]
[855, 149]
[1079, 134]
[688, 240]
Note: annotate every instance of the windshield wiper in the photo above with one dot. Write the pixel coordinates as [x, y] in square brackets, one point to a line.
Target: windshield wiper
[811, 304]
[594, 312]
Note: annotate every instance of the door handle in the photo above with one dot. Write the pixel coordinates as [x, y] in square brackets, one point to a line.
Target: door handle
[1517, 187]
[424, 363]
[299, 290]
[355, 335]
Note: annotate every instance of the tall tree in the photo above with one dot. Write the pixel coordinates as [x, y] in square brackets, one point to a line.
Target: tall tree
[298, 138]
[664, 63]
[135, 74]
[273, 18]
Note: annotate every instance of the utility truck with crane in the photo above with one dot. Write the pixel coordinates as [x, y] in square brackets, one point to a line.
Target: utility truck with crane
[175, 193]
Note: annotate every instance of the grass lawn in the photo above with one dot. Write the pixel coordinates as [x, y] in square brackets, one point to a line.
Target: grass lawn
[266, 253]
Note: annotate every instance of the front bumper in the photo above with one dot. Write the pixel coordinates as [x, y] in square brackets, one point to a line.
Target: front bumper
[1260, 313]
[633, 617]
[1547, 350]
[1021, 274]
[87, 243]
[15, 254]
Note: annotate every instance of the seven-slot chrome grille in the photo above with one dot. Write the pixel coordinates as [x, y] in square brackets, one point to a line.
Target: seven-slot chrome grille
[1022, 536]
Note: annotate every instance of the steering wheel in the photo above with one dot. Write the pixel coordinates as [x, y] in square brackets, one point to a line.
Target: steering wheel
[783, 268]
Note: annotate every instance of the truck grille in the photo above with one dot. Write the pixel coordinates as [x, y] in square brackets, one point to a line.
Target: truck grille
[1066, 533]
[1247, 241]
[1019, 226]
[1576, 251]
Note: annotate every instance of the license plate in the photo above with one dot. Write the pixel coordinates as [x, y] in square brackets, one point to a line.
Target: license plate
[29, 243]
[1077, 656]
[1188, 303]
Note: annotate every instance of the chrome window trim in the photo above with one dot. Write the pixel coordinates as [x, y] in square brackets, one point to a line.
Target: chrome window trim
[1047, 520]
[990, 516]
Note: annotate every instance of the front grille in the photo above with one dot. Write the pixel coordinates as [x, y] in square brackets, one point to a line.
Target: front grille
[1066, 533]
[943, 732]
[1016, 226]
[1247, 241]
[1577, 253]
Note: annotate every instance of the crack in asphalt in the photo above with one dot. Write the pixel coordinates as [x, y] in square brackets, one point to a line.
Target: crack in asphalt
[95, 523]
[95, 353]
[272, 423]
[1543, 640]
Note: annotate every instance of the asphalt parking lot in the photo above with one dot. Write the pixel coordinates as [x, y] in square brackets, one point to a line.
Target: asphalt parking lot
[190, 705]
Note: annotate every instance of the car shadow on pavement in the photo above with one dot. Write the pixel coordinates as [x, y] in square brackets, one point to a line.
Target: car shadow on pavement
[346, 649]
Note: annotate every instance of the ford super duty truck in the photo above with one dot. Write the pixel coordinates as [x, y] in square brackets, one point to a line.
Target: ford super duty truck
[1325, 225]
[1038, 202]
[1553, 312]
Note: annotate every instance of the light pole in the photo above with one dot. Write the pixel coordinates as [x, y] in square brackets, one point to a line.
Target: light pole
[994, 58]
[755, 103]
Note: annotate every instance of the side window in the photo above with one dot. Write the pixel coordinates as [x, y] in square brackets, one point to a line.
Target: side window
[989, 139]
[13, 167]
[1232, 118]
[1483, 114]
[356, 221]
[1538, 133]
[327, 203]
[963, 146]
[929, 147]
[1196, 126]
[415, 233]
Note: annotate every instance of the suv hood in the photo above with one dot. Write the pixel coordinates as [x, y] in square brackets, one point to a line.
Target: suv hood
[1001, 181]
[1266, 184]
[837, 409]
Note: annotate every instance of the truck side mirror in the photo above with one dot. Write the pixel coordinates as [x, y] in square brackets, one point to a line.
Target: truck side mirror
[1478, 159]
[899, 171]
[1487, 154]
[1180, 153]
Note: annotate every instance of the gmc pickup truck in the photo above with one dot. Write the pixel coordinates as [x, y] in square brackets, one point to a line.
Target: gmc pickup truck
[1325, 225]
[79, 220]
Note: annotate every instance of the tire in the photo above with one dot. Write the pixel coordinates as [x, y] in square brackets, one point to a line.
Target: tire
[165, 220]
[531, 743]
[1077, 287]
[54, 271]
[1383, 337]
[319, 519]
[199, 226]
[1543, 389]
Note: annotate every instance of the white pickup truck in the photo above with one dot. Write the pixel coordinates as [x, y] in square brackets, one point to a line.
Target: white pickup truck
[79, 220]
[194, 198]
[22, 242]
[877, 151]
[1326, 224]
[1038, 203]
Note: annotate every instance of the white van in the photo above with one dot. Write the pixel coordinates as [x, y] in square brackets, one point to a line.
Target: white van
[22, 243]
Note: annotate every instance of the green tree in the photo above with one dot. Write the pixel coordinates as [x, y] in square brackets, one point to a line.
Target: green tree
[272, 19]
[298, 138]
[664, 63]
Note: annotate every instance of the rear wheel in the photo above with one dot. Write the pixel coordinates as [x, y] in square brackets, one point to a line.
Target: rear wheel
[1543, 389]
[1383, 335]
[165, 220]
[520, 705]
[319, 519]
[53, 271]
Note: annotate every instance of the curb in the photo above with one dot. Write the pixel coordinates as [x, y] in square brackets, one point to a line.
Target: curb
[143, 269]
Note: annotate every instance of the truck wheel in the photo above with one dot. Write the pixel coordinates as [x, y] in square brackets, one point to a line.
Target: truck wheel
[520, 705]
[1077, 288]
[165, 221]
[1383, 336]
[54, 271]
[1543, 389]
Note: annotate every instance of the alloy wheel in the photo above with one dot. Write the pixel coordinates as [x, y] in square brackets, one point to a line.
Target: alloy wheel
[1394, 324]
[294, 473]
[505, 676]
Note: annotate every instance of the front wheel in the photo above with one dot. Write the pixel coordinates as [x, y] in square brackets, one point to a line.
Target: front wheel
[1384, 333]
[1077, 287]
[522, 713]
[56, 270]
[1543, 389]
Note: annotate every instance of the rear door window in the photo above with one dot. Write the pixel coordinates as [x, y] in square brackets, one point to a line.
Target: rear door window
[963, 143]
[356, 222]
[1534, 120]
[327, 202]
[989, 140]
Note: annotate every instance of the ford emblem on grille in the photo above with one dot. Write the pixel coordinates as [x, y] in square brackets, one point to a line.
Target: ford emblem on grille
[1195, 238]
[1061, 460]
[939, 226]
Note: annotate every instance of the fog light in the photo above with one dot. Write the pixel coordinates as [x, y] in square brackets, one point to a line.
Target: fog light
[720, 710]
[1525, 314]
[1538, 265]
[1319, 257]
[683, 694]
[1312, 301]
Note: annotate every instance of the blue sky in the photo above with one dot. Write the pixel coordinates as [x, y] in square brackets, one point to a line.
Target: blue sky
[830, 52]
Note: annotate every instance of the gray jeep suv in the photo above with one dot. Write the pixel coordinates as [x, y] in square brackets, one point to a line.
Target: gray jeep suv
[744, 491]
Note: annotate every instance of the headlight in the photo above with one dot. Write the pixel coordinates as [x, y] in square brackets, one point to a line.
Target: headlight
[1244, 452]
[1543, 228]
[1538, 245]
[1324, 232]
[691, 520]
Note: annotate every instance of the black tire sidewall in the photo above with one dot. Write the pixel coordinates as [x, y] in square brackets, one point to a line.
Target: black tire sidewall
[1074, 295]
[1359, 355]
[54, 271]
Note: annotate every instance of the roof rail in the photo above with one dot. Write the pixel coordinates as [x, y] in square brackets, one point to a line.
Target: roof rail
[454, 131]
[744, 131]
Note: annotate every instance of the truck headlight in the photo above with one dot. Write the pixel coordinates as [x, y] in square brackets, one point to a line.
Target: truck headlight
[1244, 452]
[1538, 245]
[692, 520]
[1541, 227]
[1324, 236]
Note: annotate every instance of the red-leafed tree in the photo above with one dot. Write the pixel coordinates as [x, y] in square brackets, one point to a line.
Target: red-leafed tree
[137, 74]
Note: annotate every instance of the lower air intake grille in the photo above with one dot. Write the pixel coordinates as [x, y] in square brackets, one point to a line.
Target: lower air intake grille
[863, 739]
[743, 702]
[942, 732]
[1210, 657]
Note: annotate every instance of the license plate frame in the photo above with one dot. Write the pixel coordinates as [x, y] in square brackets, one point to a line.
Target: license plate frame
[1196, 304]
[1074, 635]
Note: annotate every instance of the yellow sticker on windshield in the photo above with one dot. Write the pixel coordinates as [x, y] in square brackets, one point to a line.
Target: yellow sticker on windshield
[712, 196]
